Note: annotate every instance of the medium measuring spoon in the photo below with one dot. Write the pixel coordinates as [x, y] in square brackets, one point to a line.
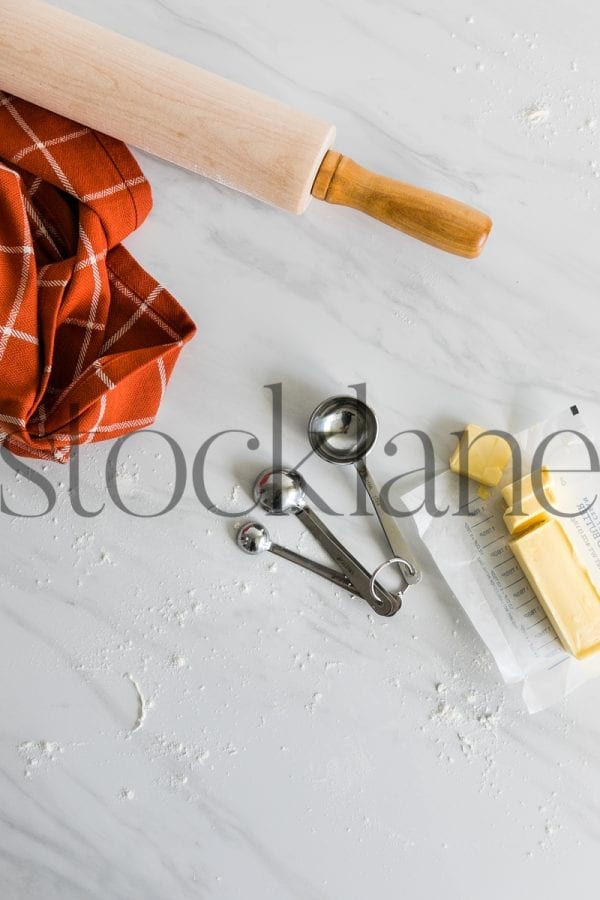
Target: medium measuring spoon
[254, 538]
[342, 430]
[282, 491]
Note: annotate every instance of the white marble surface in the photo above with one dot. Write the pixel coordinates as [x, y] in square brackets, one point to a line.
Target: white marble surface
[290, 743]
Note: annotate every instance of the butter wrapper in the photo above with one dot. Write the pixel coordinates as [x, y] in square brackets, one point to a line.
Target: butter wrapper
[470, 546]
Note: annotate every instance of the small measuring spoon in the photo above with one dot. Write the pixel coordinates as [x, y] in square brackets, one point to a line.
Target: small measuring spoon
[254, 538]
[282, 491]
[342, 430]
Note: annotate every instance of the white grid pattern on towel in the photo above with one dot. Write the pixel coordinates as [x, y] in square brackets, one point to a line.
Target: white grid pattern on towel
[8, 330]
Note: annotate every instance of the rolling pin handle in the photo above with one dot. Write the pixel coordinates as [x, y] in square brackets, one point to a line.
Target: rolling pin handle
[437, 220]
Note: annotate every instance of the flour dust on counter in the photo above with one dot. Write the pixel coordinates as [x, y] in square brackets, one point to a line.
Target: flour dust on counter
[471, 723]
[535, 114]
[142, 704]
[37, 755]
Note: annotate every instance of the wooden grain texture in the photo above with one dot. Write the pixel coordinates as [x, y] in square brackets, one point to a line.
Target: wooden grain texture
[160, 104]
[440, 221]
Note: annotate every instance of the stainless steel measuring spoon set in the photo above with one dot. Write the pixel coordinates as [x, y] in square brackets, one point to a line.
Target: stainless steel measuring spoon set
[341, 430]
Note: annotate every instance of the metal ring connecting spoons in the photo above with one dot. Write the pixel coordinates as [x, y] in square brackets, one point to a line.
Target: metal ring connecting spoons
[282, 491]
[254, 538]
[342, 430]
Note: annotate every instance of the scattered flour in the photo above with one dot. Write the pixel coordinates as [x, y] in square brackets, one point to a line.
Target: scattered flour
[185, 758]
[142, 704]
[536, 114]
[38, 754]
[316, 699]
[83, 541]
[177, 661]
[467, 718]
[178, 780]
[301, 542]
[552, 825]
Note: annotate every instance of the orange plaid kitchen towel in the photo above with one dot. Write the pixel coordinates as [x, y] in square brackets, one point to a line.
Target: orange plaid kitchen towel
[88, 340]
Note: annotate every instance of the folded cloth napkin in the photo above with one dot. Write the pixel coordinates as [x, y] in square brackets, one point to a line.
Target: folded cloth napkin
[88, 340]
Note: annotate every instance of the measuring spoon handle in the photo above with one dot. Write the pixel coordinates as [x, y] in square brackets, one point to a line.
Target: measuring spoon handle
[386, 604]
[330, 574]
[395, 538]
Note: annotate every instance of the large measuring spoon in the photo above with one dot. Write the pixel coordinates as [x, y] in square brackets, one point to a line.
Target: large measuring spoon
[282, 491]
[342, 430]
[254, 538]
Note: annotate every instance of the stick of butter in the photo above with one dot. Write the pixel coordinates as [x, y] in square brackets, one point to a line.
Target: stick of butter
[562, 585]
[532, 512]
[480, 456]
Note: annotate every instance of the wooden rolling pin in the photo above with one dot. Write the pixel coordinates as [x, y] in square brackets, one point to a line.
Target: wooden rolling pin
[208, 124]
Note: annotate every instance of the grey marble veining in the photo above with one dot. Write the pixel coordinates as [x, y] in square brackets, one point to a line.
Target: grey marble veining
[289, 744]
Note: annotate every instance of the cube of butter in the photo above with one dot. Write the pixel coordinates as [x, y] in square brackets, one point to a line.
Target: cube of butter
[562, 585]
[482, 459]
[532, 511]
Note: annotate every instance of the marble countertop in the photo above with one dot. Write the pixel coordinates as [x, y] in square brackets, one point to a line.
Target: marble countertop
[182, 721]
